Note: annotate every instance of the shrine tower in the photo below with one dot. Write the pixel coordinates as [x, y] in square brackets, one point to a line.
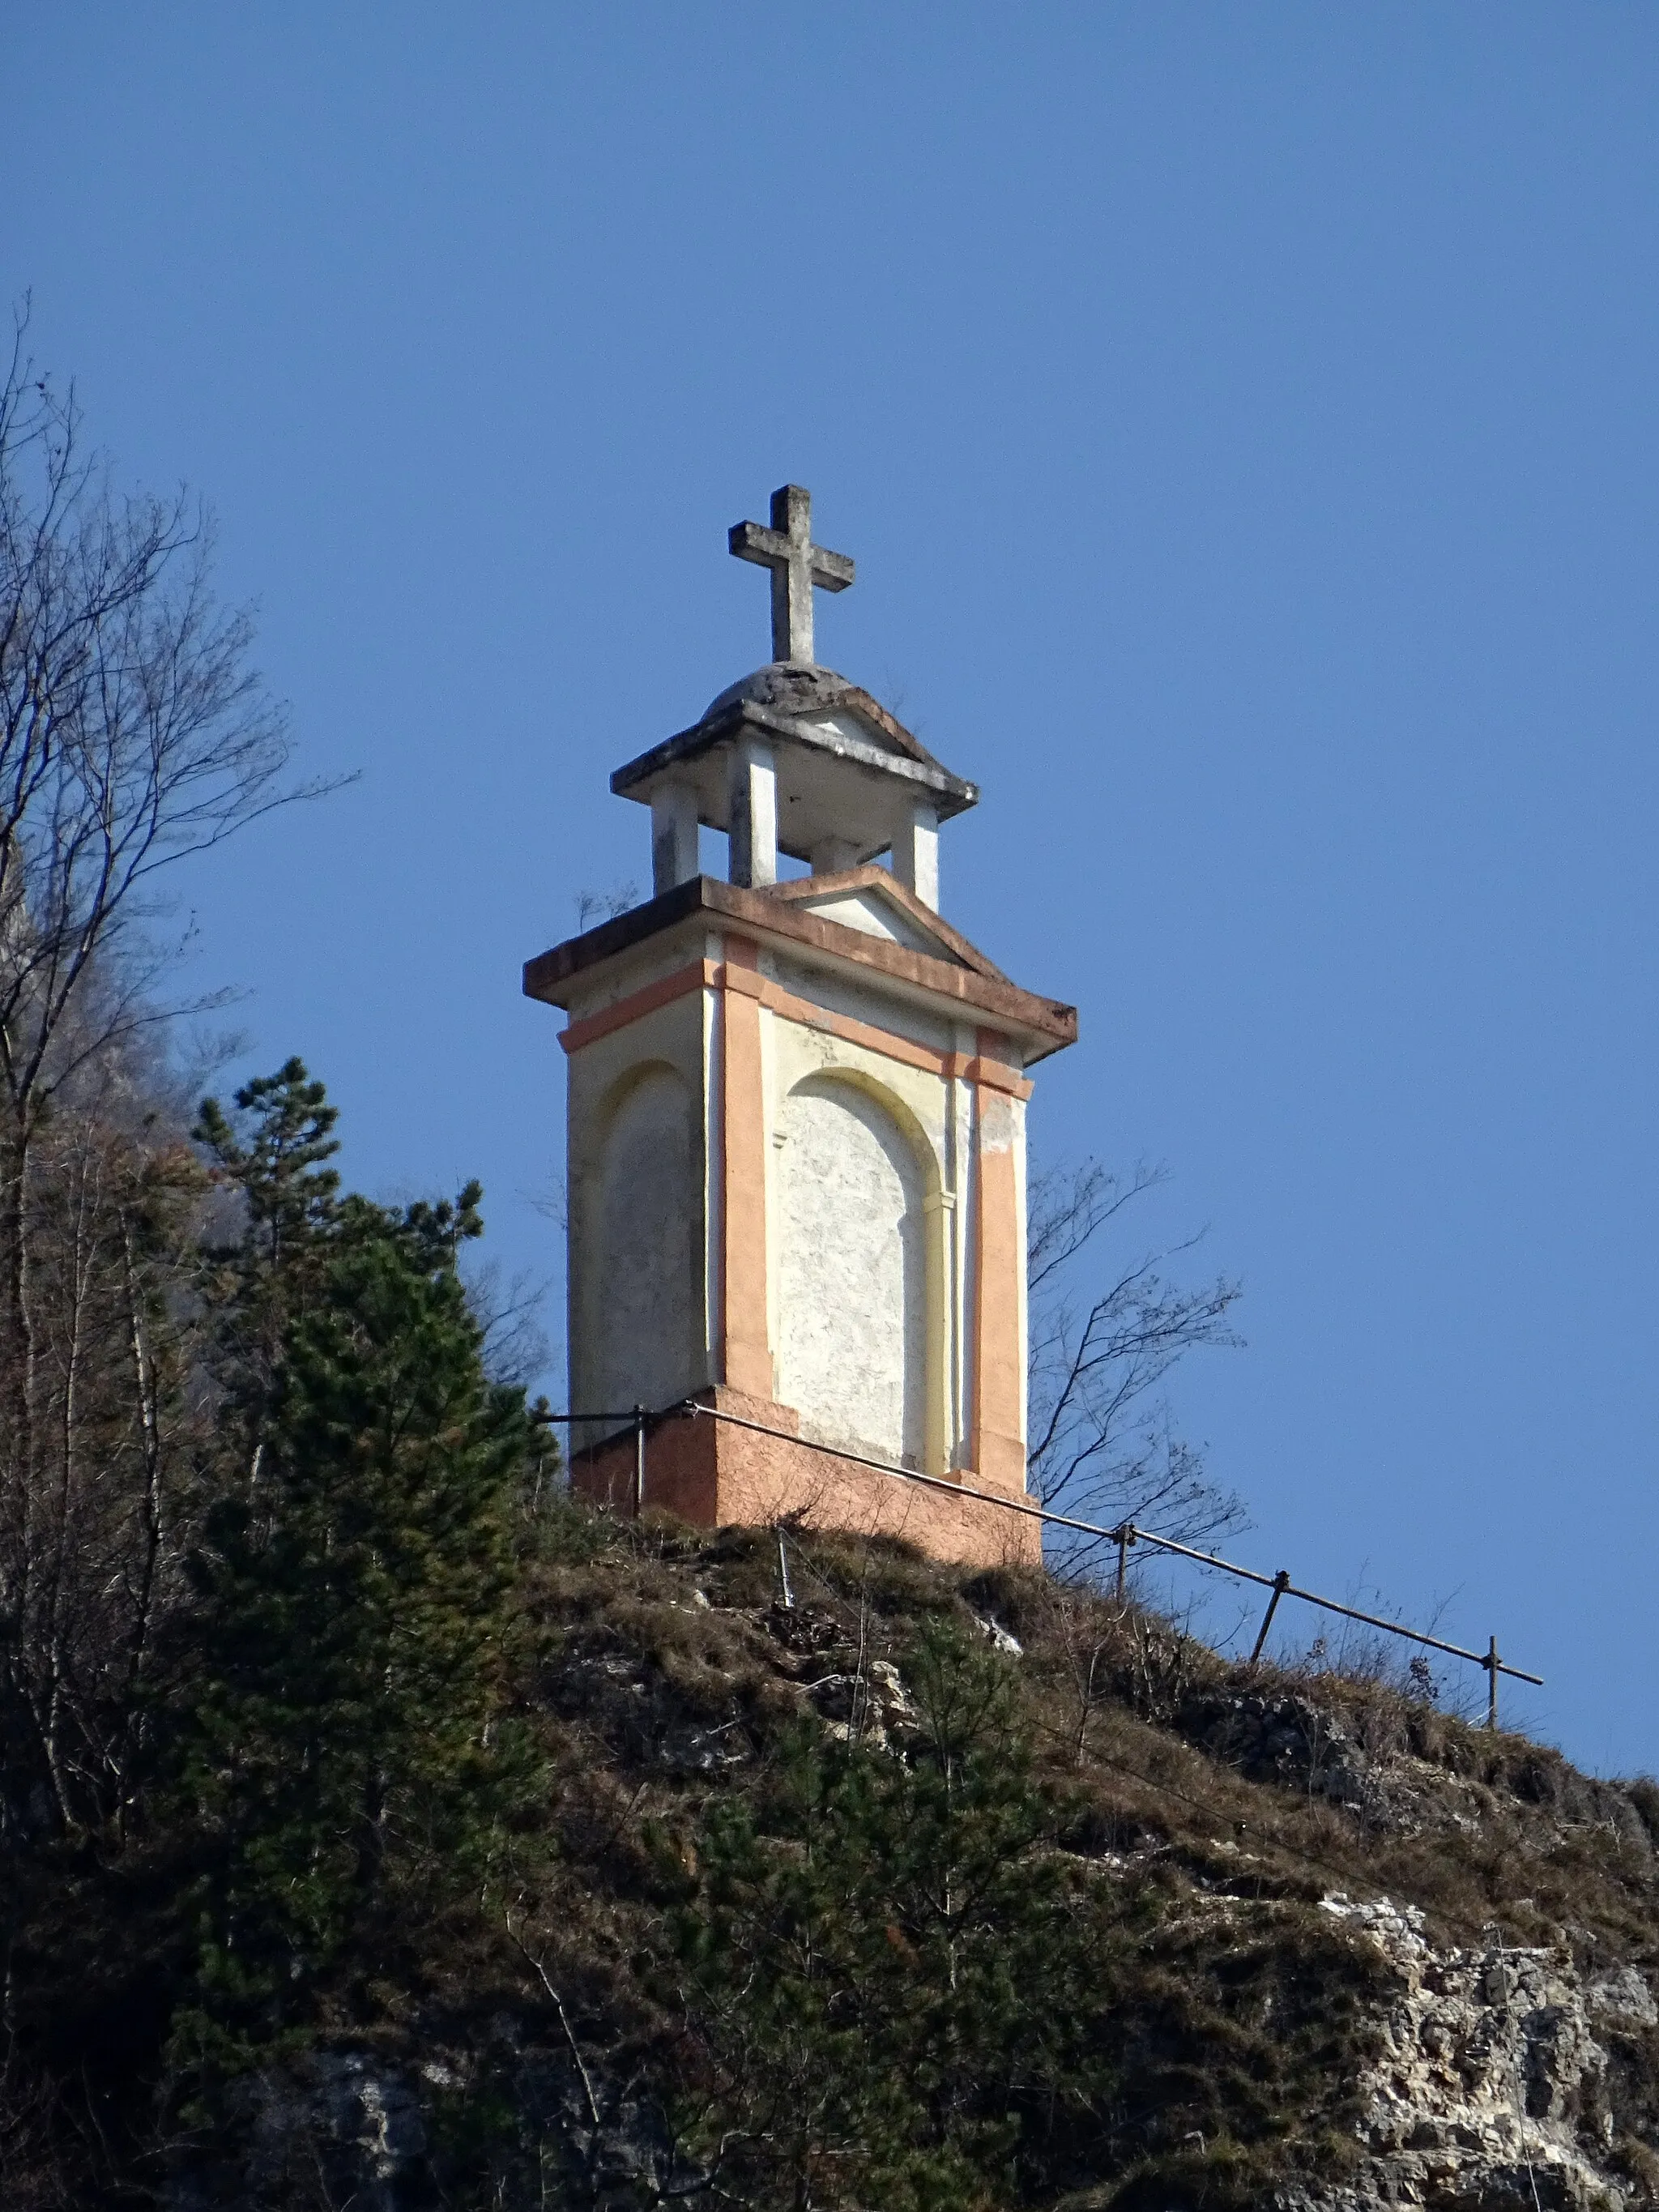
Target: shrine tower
[796, 1124]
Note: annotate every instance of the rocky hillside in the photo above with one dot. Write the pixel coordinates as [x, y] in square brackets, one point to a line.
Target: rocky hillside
[1346, 1951]
[1205, 1937]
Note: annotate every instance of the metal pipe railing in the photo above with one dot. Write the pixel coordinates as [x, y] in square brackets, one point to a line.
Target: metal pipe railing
[1124, 1535]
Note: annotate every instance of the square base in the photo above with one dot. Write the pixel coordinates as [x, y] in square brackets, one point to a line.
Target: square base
[714, 1474]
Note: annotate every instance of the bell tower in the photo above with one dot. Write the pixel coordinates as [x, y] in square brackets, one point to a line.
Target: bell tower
[796, 1124]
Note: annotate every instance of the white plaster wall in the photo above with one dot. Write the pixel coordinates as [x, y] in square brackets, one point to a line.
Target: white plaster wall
[640, 965]
[919, 1102]
[649, 1257]
[645, 1186]
[600, 1075]
[861, 998]
[853, 1296]
[866, 910]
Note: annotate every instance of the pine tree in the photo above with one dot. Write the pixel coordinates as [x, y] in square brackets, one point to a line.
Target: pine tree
[268, 1158]
[345, 1749]
[897, 1978]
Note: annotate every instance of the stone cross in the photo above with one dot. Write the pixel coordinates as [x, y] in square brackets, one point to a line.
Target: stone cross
[787, 549]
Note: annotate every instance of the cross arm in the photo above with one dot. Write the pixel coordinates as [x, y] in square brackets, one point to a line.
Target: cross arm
[769, 549]
[752, 541]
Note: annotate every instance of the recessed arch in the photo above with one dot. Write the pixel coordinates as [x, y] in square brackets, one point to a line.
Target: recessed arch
[855, 1279]
[643, 1200]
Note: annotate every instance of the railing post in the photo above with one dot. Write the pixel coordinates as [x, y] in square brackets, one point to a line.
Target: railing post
[1126, 1536]
[1492, 1684]
[1281, 1583]
[639, 1461]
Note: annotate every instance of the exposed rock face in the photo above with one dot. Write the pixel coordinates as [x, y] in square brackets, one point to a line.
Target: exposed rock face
[1293, 1741]
[346, 2125]
[346, 2129]
[1491, 2092]
[1492, 2086]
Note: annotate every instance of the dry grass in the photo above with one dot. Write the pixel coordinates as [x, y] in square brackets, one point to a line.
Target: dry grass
[658, 1673]
[1265, 1783]
[668, 1667]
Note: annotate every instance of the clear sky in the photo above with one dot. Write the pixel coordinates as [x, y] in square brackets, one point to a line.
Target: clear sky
[1244, 418]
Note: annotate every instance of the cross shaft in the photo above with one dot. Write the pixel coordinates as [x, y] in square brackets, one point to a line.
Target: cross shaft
[797, 565]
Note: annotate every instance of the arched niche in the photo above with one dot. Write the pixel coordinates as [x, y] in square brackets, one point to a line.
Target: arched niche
[644, 1212]
[858, 1352]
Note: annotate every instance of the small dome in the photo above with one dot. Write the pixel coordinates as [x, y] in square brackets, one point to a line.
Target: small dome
[788, 687]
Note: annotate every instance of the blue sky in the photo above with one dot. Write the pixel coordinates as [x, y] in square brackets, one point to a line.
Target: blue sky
[1244, 420]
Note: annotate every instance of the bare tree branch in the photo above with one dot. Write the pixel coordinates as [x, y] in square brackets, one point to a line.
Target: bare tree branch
[134, 733]
[1102, 1434]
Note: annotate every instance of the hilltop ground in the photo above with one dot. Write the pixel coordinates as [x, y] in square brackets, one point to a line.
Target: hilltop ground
[1346, 1950]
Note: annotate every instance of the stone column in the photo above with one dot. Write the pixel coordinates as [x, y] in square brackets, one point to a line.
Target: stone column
[916, 850]
[745, 1361]
[832, 856]
[754, 815]
[673, 836]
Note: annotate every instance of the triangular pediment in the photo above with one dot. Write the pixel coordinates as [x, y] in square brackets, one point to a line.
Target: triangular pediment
[873, 901]
[848, 725]
[855, 714]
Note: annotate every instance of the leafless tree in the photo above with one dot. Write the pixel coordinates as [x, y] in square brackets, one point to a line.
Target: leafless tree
[134, 732]
[508, 1309]
[1103, 1444]
[94, 1554]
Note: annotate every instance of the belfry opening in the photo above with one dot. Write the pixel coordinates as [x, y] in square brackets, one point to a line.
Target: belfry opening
[796, 1127]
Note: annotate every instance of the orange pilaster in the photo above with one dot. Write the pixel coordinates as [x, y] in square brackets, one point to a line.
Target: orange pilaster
[745, 1361]
[996, 1448]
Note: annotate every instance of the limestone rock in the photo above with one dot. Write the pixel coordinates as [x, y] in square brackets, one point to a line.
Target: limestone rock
[1490, 2089]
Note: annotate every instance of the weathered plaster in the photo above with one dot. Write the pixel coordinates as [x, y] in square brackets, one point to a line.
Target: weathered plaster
[648, 1325]
[864, 909]
[997, 1438]
[637, 1284]
[833, 856]
[851, 1272]
[860, 1000]
[596, 988]
[910, 1103]
[754, 811]
[673, 834]
[915, 848]
[745, 1357]
[959, 1181]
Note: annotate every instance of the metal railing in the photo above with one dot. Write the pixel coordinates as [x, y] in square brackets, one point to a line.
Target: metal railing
[1125, 1535]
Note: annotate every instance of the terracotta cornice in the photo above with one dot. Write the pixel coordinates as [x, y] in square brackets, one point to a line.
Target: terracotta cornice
[746, 981]
[1044, 1025]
